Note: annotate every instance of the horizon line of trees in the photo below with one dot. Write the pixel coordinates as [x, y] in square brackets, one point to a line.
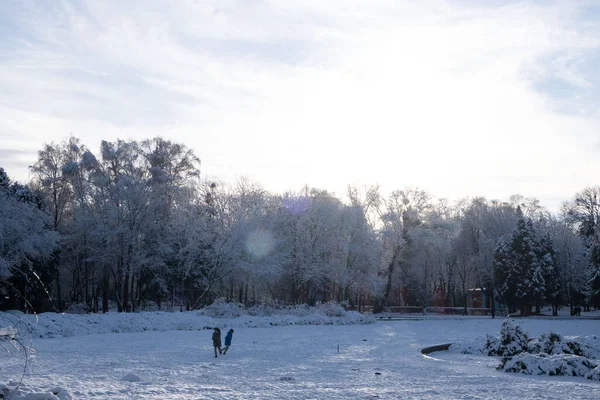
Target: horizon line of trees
[137, 226]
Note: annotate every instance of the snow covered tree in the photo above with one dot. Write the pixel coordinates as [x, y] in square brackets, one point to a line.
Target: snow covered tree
[363, 248]
[315, 248]
[549, 267]
[27, 241]
[136, 225]
[404, 210]
[519, 268]
[584, 212]
[51, 179]
[429, 259]
[483, 224]
[572, 259]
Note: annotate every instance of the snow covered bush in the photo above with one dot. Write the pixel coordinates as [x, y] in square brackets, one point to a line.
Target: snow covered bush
[487, 345]
[264, 310]
[552, 354]
[223, 309]
[492, 345]
[51, 325]
[549, 354]
[544, 364]
[331, 309]
[593, 375]
[553, 343]
[513, 339]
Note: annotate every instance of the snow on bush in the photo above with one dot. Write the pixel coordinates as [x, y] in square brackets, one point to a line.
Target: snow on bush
[329, 309]
[487, 345]
[513, 339]
[223, 309]
[553, 343]
[332, 309]
[544, 364]
[222, 314]
[549, 354]
[594, 374]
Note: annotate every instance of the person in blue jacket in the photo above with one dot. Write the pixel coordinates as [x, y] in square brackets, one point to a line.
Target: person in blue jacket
[228, 338]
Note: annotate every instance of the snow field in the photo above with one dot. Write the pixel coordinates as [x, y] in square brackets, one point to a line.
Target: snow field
[379, 360]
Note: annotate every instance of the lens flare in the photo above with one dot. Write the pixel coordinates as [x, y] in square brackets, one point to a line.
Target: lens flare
[260, 243]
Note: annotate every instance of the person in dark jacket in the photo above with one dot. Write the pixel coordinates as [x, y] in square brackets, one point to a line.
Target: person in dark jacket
[216, 338]
[228, 338]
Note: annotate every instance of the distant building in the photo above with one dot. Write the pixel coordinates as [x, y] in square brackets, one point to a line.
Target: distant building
[479, 299]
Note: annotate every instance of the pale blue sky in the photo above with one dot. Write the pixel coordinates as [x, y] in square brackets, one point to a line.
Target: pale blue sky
[451, 96]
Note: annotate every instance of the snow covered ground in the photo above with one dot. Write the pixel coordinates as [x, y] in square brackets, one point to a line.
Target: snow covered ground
[380, 360]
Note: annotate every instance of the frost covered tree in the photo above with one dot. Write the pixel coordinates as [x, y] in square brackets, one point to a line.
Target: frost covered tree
[139, 227]
[51, 178]
[482, 224]
[363, 248]
[431, 266]
[403, 211]
[138, 185]
[584, 213]
[572, 260]
[27, 241]
[316, 252]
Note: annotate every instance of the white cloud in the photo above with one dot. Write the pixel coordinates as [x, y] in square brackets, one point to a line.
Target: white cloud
[435, 94]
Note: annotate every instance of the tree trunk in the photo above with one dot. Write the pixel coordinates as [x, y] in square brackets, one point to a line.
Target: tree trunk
[58, 285]
[125, 306]
[381, 303]
[105, 296]
[240, 293]
[492, 302]
[132, 293]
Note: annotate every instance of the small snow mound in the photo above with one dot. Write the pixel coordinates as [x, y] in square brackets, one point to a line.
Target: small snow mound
[62, 393]
[8, 331]
[131, 377]
[40, 396]
[21, 391]
[287, 378]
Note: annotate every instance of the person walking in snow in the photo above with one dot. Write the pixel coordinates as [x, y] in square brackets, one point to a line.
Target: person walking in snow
[216, 338]
[228, 338]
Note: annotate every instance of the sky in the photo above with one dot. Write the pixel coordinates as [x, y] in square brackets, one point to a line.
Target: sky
[459, 98]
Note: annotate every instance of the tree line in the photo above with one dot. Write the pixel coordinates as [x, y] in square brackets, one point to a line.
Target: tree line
[136, 226]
